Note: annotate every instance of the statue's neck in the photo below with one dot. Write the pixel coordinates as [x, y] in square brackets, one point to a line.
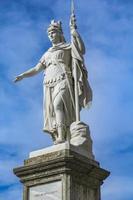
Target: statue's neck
[57, 44]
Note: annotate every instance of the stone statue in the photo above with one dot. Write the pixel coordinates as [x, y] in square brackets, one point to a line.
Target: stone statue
[70, 163]
[65, 82]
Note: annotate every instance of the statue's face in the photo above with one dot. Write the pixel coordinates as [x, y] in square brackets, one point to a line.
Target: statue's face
[54, 36]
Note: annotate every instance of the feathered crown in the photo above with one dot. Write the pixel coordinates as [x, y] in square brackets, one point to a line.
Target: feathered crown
[55, 26]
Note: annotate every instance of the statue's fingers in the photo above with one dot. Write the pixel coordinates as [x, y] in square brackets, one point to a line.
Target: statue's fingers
[15, 80]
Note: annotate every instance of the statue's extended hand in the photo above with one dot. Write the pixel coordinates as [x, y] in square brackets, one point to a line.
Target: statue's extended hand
[18, 78]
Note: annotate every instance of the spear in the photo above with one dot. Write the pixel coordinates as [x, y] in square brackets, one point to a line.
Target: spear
[74, 62]
[73, 19]
[72, 7]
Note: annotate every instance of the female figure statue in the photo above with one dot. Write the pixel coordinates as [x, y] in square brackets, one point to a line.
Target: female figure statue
[57, 63]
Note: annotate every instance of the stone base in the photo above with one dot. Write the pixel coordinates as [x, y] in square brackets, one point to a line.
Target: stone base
[81, 139]
[61, 147]
[60, 173]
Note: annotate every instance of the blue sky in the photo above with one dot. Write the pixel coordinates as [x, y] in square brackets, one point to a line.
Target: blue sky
[106, 27]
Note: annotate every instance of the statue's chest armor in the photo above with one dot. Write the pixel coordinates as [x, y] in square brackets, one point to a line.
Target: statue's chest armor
[57, 56]
[57, 63]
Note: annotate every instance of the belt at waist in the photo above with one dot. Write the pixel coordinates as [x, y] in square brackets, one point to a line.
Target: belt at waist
[52, 82]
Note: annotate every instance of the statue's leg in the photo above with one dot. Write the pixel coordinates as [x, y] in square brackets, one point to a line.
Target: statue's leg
[59, 114]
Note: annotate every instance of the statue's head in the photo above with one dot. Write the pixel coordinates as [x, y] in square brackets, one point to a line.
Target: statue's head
[55, 32]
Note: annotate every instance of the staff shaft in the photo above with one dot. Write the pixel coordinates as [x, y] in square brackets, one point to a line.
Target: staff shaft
[77, 109]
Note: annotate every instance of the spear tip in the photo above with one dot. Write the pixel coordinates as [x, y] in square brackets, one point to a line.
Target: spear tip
[72, 7]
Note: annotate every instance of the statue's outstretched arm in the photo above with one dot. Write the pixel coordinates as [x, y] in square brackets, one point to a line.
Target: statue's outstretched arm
[31, 72]
[76, 38]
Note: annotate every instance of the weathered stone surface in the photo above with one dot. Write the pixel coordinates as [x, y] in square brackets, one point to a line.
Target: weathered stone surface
[47, 191]
[51, 149]
[80, 176]
[84, 149]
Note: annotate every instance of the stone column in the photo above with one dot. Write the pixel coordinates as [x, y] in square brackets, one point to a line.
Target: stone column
[61, 173]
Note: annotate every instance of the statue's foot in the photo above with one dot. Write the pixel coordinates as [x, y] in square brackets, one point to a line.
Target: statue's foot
[59, 141]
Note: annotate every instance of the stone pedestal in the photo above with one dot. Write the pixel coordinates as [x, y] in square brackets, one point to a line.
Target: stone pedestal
[61, 173]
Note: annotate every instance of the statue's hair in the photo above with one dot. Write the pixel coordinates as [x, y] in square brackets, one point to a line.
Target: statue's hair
[62, 37]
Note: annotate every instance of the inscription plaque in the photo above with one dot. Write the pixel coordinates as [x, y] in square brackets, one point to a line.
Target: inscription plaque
[48, 191]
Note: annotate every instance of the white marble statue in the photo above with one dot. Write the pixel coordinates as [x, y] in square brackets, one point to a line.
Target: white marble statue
[65, 82]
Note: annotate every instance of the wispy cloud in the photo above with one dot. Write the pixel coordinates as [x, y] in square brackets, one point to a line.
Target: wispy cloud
[12, 192]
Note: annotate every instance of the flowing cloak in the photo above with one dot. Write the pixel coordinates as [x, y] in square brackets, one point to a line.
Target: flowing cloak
[84, 89]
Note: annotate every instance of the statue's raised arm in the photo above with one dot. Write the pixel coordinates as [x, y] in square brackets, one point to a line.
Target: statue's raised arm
[75, 36]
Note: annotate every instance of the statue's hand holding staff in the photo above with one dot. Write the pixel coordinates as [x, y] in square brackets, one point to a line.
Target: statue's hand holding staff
[73, 22]
[73, 26]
